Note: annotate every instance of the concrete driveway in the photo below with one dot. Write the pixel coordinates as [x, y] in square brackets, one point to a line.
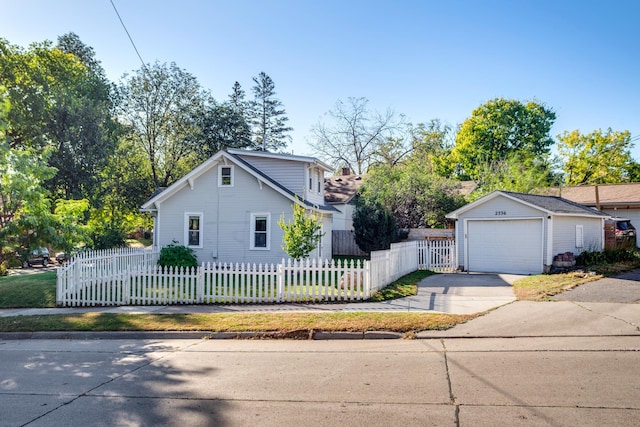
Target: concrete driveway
[465, 293]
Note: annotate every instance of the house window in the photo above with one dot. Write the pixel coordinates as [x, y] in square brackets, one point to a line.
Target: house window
[310, 179]
[260, 225]
[579, 236]
[225, 176]
[320, 181]
[193, 230]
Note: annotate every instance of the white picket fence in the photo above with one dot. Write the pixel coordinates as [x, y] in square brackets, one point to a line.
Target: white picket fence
[440, 256]
[148, 284]
[132, 276]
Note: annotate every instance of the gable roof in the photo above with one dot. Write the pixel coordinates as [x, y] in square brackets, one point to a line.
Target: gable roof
[609, 195]
[341, 188]
[551, 205]
[290, 157]
[233, 156]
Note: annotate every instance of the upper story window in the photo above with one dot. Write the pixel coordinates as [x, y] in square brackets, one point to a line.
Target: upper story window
[225, 176]
[193, 229]
[320, 181]
[310, 179]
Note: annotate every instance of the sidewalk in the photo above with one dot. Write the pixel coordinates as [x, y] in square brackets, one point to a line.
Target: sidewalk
[457, 293]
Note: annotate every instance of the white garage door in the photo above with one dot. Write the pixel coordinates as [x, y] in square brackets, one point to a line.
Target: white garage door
[505, 246]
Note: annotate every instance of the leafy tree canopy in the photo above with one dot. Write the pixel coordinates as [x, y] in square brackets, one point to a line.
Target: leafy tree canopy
[498, 129]
[599, 157]
[157, 103]
[374, 227]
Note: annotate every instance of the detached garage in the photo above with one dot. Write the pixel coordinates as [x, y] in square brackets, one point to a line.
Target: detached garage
[517, 233]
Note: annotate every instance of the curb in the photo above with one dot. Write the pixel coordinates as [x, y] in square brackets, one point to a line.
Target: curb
[202, 335]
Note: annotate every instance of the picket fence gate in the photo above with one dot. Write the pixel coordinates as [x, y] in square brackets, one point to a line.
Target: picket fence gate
[132, 277]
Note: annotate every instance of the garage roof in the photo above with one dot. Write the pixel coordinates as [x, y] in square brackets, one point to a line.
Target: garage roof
[552, 205]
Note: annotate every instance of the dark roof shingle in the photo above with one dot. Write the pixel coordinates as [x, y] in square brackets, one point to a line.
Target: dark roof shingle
[341, 188]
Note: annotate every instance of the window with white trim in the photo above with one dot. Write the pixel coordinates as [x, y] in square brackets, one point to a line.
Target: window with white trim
[225, 176]
[320, 181]
[310, 171]
[193, 229]
[260, 234]
[579, 236]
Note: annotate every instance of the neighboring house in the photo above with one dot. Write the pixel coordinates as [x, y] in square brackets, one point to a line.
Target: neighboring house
[618, 200]
[521, 233]
[227, 209]
[339, 192]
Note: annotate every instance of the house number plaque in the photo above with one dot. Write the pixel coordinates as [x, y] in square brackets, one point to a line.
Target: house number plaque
[501, 213]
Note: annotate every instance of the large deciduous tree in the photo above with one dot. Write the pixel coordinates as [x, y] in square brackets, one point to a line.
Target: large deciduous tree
[597, 157]
[82, 125]
[268, 117]
[413, 189]
[60, 99]
[499, 129]
[355, 136]
[158, 104]
[219, 126]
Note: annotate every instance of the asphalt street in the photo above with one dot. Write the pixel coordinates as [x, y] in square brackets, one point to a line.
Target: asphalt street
[565, 363]
[553, 381]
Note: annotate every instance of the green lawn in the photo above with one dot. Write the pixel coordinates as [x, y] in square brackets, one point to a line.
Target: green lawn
[29, 290]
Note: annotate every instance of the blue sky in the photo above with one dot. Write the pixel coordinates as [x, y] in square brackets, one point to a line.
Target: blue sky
[424, 59]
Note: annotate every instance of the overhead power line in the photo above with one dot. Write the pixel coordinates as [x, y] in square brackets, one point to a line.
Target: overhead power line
[130, 38]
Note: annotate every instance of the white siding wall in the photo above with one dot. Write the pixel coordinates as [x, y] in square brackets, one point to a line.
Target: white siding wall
[324, 251]
[343, 220]
[493, 209]
[564, 234]
[226, 217]
[294, 175]
[290, 174]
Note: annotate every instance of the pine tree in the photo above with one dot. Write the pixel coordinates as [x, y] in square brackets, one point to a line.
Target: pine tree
[268, 116]
[236, 99]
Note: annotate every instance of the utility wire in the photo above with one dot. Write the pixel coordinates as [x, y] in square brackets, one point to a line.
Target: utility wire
[130, 38]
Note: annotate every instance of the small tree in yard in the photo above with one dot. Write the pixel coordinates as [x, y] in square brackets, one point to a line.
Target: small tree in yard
[301, 234]
[374, 227]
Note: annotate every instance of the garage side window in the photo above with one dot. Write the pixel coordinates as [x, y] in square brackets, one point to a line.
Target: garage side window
[579, 236]
[193, 230]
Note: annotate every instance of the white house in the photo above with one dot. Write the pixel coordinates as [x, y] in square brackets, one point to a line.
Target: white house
[227, 209]
[618, 200]
[521, 233]
[339, 192]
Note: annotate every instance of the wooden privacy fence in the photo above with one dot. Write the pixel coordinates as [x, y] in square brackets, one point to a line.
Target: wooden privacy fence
[123, 277]
[343, 243]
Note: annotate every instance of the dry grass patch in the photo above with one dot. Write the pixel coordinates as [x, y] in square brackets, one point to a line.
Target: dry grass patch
[237, 322]
[543, 286]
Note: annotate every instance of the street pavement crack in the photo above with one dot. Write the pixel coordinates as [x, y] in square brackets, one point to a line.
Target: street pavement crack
[608, 315]
[452, 397]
